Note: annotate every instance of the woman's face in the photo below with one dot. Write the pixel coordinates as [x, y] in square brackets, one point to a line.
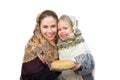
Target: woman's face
[48, 27]
[64, 29]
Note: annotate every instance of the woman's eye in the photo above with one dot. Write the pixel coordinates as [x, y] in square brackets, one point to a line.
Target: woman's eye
[45, 26]
[53, 26]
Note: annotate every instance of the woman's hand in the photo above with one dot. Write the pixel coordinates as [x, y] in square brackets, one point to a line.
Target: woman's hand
[77, 66]
[55, 70]
[42, 58]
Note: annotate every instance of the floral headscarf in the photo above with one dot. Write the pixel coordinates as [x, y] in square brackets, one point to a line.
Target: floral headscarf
[74, 38]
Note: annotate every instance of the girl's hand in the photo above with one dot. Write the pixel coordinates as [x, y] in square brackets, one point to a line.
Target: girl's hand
[77, 66]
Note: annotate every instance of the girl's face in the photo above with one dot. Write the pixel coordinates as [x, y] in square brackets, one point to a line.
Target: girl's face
[64, 29]
[48, 27]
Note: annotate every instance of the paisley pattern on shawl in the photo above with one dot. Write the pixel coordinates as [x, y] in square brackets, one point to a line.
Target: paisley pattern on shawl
[38, 45]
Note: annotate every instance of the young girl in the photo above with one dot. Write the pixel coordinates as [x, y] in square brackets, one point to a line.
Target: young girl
[72, 46]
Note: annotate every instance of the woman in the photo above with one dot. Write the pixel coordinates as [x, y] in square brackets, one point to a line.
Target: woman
[41, 49]
[72, 46]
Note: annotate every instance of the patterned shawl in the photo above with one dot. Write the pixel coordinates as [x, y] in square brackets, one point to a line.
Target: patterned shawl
[70, 41]
[38, 45]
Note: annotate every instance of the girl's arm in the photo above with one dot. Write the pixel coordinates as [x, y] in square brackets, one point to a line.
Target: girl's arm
[86, 60]
[87, 64]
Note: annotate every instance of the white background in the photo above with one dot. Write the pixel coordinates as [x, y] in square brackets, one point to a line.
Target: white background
[99, 21]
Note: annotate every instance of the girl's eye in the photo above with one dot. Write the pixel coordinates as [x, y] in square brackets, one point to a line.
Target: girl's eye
[65, 28]
[59, 29]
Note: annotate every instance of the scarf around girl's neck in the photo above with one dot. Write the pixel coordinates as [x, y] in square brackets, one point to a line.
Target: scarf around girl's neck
[70, 41]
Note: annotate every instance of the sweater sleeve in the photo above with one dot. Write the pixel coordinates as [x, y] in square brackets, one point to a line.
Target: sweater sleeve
[86, 60]
[87, 64]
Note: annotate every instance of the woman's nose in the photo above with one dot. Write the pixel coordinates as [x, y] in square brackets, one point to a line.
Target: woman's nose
[49, 30]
